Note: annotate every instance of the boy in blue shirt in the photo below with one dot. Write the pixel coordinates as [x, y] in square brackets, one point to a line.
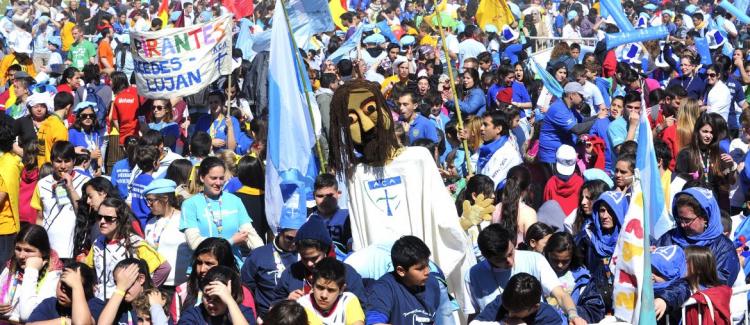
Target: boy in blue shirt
[148, 160]
[327, 193]
[521, 303]
[408, 295]
[74, 301]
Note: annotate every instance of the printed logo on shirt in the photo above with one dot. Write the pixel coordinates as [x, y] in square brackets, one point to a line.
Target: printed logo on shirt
[419, 316]
[387, 194]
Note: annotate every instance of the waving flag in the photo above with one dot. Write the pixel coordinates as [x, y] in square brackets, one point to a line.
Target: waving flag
[163, 13]
[550, 83]
[345, 50]
[338, 7]
[240, 8]
[496, 12]
[307, 18]
[633, 292]
[291, 135]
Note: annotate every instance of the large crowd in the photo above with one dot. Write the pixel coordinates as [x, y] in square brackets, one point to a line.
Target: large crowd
[116, 208]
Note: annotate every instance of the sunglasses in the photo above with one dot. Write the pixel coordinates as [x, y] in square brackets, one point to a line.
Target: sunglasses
[88, 116]
[158, 107]
[107, 219]
[711, 75]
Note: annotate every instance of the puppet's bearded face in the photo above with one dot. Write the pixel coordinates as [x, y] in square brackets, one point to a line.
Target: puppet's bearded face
[363, 116]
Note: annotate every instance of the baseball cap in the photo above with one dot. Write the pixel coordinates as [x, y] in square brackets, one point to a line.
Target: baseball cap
[566, 160]
[573, 87]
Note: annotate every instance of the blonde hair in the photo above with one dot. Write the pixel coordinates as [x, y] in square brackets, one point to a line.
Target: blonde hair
[230, 161]
[690, 110]
[474, 126]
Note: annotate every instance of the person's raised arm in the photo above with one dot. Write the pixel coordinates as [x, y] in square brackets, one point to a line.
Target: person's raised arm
[220, 290]
[124, 278]
[80, 313]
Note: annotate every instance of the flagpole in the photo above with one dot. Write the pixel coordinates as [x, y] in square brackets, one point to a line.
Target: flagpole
[460, 121]
[298, 65]
[229, 78]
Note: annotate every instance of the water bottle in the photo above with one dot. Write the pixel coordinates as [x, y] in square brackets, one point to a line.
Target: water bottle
[61, 194]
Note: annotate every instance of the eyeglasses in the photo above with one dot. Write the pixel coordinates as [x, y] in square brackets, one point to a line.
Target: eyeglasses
[151, 201]
[158, 107]
[88, 116]
[107, 219]
[685, 221]
[711, 75]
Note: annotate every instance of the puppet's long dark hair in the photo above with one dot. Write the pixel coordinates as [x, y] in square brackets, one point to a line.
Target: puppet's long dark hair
[379, 144]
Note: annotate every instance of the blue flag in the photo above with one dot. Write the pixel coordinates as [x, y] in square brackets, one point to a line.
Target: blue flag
[245, 39]
[345, 50]
[386, 31]
[308, 17]
[291, 135]
[549, 82]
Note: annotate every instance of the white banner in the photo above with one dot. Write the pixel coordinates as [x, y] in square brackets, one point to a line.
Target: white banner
[181, 61]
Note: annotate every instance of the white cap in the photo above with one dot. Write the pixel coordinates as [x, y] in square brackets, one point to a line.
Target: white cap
[566, 160]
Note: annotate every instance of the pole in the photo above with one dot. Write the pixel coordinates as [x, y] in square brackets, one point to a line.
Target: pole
[298, 65]
[229, 78]
[460, 121]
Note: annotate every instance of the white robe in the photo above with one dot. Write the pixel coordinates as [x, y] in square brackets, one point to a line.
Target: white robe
[408, 197]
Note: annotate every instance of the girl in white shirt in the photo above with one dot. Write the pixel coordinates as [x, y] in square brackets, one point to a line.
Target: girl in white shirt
[718, 98]
[30, 276]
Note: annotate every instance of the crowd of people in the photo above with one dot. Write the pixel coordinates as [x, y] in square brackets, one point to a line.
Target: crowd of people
[117, 208]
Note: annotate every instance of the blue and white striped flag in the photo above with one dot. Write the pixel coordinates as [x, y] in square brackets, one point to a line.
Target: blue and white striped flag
[291, 134]
[345, 50]
[653, 194]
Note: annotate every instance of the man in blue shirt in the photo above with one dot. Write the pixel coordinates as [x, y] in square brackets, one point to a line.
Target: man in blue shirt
[690, 81]
[415, 125]
[563, 121]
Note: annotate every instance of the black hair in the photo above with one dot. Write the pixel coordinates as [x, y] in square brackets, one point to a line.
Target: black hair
[88, 279]
[627, 148]
[516, 185]
[330, 269]
[662, 153]
[148, 158]
[326, 180]
[630, 159]
[63, 150]
[499, 118]
[179, 171]
[224, 275]
[595, 187]
[35, 236]
[536, 232]
[563, 242]
[91, 73]
[478, 184]
[7, 136]
[67, 74]
[345, 67]
[209, 163]
[124, 218]
[250, 172]
[85, 216]
[221, 251]
[494, 241]
[631, 97]
[151, 138]
[522, 292]
[200, 144]
[142, 270]
[409, 251]
[327, 79]
[286, 312]
[62, 100]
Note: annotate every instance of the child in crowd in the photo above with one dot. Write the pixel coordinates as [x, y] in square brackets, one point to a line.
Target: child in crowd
[327, 193]
[519, 304]
[328, 303]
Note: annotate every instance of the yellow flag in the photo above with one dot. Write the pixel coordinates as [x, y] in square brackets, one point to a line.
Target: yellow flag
[495, 12]
[433, 16]
[336, 10]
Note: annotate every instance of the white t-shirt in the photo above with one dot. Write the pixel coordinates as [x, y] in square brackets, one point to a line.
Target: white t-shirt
[484, 282]
[469, 48]
[165, 236]
[571, 34]
[58, 220]
[593, 97]
[719, 99]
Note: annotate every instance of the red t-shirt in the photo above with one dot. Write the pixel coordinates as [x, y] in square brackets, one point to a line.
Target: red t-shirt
[65, 88]
[125, 110]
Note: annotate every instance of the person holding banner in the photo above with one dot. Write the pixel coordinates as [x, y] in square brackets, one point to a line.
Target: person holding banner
[223, 129]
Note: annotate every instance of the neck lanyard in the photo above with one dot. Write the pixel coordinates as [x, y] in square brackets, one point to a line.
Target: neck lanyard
[689, 82]
[706, 165]
[166, 224]
[215, 126]
[217, 219]
[130, 318]
[11, 284]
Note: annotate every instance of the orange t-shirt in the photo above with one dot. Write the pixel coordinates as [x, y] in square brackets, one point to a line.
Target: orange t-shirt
[105, 52]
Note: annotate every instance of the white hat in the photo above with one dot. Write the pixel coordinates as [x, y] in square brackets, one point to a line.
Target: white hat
[41, 98]
[715, 39]
[508, 34]
[566, 160]
[59, 17]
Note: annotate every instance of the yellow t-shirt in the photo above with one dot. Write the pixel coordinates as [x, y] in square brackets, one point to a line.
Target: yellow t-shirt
[50, 131]
[66, 35]
[347, 311]
[10, 175]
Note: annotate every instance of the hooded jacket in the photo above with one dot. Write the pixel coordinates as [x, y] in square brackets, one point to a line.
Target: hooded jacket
[727, 262]
[494, 312]
[719, 315]
[589, 302]
[564, 192]
[597, 246]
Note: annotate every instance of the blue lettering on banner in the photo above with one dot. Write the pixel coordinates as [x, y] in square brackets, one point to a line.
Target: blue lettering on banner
[158, 67]
[172, 83]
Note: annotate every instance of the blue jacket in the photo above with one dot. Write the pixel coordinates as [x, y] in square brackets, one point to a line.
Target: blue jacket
[727, 262]
[546, 315]
[596, 246]
[261, 273]
[293, 278]
[391, 302]
[589, 302]
[475, 102]
[674, 295]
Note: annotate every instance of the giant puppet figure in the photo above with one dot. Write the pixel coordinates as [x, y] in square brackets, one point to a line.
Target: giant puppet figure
[393, 190]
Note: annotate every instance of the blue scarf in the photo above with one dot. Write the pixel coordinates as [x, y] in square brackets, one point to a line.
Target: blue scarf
[604, 243]
[488, 149]
[714, 229]
[669, 261]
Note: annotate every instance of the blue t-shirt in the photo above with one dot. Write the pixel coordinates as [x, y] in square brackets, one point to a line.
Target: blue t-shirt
[120, 176]
[217, 129]
[422, 128]
[520, 95]
[126, 315]
[48, 309]
[206, 215]
[137, 200]
[91, 140]
[555, 131]
[233, 185]
[198, 315]
[399, 305]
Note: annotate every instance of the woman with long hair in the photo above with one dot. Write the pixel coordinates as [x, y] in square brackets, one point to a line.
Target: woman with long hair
[180, 171]
[536, 237]
[30, 276]
[132, 279]
[687, 115]
[86, 133]
[162, 230]
[221, 303]
[29, 178]
[512, 212]
[560, 73]
[217, 213]
[69, 81]
[250, 172]
[590, 192]
[212, 252]
[117, 241]
[472, 99]
[704, 159]
[162, 120]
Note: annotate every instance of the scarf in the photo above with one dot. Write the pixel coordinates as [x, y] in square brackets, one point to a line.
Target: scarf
[564, 192]
[488, 149]
[719, 314]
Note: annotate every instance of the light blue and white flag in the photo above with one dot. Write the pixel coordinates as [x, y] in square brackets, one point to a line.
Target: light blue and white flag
[308, 17]
[349, 48]
[653, 194]
[291, 134]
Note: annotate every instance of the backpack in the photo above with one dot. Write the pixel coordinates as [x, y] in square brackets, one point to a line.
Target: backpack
[90, 95]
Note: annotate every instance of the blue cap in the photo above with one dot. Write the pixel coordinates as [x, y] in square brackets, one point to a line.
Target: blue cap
[598, 174]
[83, 105]
[55, 40]
[691, 9]
[160, 186]
[490, 28]
[572, 15]
[650, 6]
[375, 39]
[407, 40]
